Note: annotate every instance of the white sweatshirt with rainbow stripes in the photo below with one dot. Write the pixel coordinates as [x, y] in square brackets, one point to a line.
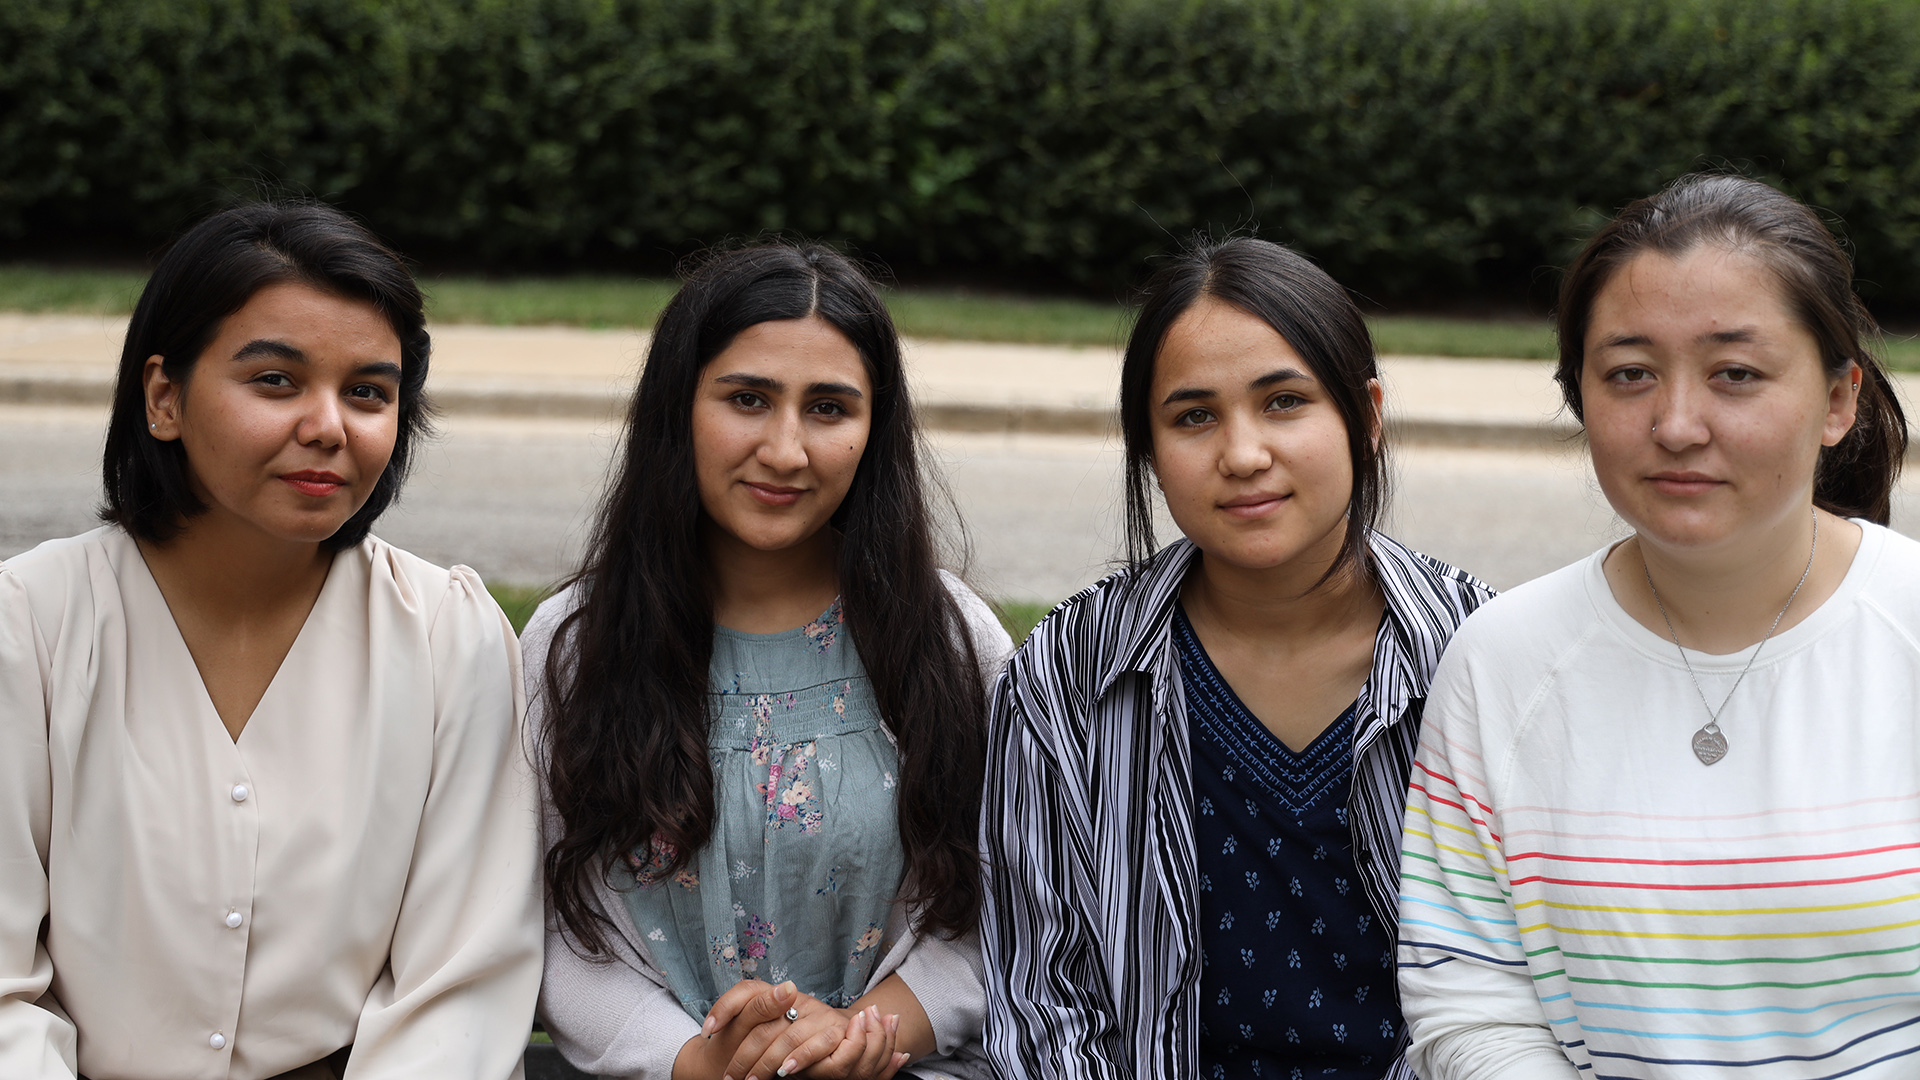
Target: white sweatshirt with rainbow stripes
[1580, 896]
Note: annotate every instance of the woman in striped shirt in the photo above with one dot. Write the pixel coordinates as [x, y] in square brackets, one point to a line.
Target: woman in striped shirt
[1198, 766]
[1665, 820]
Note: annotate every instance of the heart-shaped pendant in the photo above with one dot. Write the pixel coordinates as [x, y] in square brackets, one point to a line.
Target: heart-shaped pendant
[1709, 745]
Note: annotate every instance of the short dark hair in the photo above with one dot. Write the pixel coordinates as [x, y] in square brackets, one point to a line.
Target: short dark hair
[1315, 316]
[207, 275]
[1854, 478]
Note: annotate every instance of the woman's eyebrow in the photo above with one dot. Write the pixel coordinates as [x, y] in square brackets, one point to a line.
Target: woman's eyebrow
[1739, 335]
[1283, 375]
[1190, 393]
[279, 350]
[757, 382]
[835, 388]
[1619, 341]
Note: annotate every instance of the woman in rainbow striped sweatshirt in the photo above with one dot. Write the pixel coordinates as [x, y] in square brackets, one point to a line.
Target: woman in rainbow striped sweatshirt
[1665, 813]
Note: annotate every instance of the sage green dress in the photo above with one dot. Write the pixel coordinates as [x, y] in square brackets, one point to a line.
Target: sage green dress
[805, 862]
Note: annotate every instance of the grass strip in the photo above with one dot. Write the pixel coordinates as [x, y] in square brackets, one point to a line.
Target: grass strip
[608, 302]
[50, 290]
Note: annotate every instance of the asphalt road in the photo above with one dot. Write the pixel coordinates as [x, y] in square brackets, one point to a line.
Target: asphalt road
[513, 499]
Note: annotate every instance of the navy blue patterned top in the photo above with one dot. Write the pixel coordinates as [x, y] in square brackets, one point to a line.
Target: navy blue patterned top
[1297, 974]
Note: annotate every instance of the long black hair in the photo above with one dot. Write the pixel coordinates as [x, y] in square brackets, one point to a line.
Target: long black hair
[626, 750]
[1853, 478]
[1308, 309]
[207, 275]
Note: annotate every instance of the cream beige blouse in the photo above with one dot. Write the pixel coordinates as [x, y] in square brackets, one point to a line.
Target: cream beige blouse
[359, 867]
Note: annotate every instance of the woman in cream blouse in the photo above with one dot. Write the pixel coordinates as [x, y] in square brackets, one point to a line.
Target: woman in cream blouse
[263, 806]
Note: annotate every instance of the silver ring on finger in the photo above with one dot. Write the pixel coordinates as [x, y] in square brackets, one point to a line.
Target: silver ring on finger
[792, 1015]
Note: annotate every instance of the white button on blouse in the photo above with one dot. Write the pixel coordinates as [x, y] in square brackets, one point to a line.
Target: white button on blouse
[376, 915]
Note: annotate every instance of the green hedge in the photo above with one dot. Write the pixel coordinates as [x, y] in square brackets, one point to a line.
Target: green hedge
[1414, 146]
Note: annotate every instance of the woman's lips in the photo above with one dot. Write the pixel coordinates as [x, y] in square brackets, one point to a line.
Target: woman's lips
[1683, 483]
[316, 484]
[1253, 506]
[774, 495]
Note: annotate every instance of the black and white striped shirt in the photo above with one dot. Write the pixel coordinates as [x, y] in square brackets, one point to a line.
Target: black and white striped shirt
[1091, 930]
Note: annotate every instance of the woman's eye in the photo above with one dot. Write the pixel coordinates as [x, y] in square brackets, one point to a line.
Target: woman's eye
[1739, 375]
[1631, 375]
[1193, 418]
[367, 392]
[747, 399]
[1286, 402]
[273, 378]
[829, 408]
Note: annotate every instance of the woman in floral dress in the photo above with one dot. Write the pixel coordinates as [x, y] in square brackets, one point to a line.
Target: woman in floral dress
[760, 711]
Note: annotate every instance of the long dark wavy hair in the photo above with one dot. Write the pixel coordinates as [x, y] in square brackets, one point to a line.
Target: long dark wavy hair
[1852, 479]
[628, 696]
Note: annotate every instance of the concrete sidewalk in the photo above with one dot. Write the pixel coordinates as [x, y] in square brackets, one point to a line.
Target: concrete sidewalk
[960, 386]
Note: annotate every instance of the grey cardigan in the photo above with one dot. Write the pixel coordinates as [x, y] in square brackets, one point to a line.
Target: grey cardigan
[616, 1017]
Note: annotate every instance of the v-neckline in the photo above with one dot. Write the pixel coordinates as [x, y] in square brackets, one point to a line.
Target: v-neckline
[1292, 757]
[179, 640]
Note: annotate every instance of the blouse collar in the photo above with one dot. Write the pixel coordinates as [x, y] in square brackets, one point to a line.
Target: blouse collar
[1421, 614]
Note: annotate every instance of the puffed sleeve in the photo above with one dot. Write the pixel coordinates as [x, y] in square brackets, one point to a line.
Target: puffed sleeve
[1469, 999]
[609, 1015]
[37, 1041]
[991, 645]
[457, 999]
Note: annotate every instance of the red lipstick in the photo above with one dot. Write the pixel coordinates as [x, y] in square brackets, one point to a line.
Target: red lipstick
[314, 482]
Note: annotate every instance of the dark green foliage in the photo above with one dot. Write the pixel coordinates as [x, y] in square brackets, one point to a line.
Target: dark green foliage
[1413, 146]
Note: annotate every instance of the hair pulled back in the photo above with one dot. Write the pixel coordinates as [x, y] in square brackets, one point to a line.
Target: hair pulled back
[1314, 315]
[210, 273]
[626, 748]
[1853, 478]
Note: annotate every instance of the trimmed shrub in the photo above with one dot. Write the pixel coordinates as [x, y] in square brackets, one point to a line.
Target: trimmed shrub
[1412, 146]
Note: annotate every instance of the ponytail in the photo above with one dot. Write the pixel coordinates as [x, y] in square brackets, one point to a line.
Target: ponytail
[1855, 477]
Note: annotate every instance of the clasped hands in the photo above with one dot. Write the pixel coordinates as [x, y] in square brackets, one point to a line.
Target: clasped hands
[747, 1036]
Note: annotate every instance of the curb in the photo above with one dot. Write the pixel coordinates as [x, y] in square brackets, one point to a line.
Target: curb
[55, 390]
[592, 404]
[1484, 434]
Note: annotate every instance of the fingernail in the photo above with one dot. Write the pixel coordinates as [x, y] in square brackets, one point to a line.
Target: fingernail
[788, 1067]
[708, 1029]
[893, 1024]
[901, 1059]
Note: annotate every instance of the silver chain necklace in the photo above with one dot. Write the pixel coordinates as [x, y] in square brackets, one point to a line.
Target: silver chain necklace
[1709, 745]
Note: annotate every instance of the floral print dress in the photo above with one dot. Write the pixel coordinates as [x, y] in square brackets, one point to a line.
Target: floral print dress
[800, 875]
